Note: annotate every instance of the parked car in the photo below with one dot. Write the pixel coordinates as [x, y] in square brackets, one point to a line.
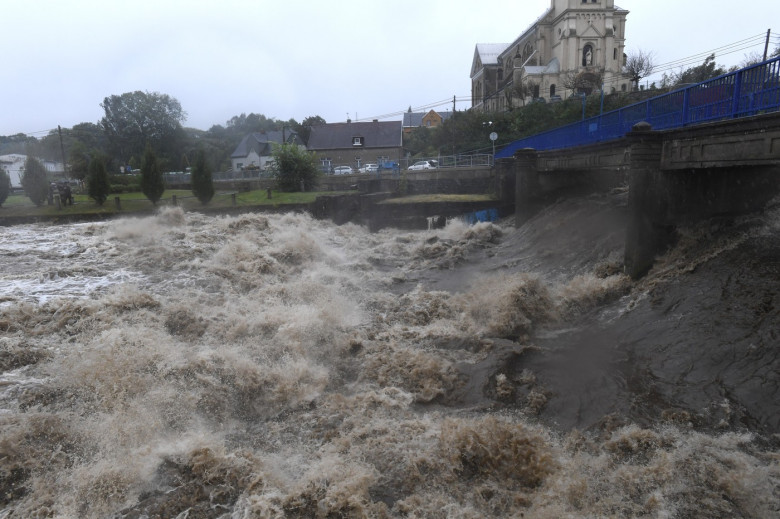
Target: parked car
[369, 168]
[342, 170]
[423, 164]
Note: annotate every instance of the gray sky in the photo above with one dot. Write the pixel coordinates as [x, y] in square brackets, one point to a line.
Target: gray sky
[365, 58]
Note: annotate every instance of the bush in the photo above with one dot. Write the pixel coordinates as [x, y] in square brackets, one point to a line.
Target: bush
[294, 168]
[34, 181]
[125, 184]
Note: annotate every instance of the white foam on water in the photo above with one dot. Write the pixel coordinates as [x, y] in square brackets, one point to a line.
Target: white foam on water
[269, 366]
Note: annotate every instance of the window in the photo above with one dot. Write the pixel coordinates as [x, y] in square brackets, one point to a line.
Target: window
[536, 91]
[552, 90]
[614, 53]
[357, 141]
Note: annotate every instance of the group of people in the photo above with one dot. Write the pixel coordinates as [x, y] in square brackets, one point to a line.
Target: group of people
[62, 189]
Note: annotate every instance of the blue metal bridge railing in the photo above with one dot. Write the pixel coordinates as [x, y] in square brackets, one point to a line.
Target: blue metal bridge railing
[745, 92]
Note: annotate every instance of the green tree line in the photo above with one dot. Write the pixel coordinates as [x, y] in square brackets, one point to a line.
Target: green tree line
[133, 121]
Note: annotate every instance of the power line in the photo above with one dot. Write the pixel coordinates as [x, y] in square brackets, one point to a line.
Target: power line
[680, 63]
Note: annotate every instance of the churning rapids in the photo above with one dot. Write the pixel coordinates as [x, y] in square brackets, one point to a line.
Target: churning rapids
[191, 366]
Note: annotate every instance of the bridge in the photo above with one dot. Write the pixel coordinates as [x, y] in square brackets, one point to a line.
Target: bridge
[712, 149]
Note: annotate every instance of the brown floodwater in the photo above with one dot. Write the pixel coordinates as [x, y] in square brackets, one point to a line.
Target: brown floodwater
[278, 366]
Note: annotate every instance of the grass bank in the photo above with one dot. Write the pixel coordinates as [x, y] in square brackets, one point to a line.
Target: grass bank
[19, 206]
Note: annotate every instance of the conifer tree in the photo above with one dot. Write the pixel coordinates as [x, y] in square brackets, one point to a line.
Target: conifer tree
[98, 185]
[202, 184]
[5, 186]
[152, 183]
[34, 181]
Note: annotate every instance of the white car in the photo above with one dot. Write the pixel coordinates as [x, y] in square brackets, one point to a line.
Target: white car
[421, 164]
[342, 170]
[369, 168]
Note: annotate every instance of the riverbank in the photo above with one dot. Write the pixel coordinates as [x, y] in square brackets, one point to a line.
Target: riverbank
[377, 210]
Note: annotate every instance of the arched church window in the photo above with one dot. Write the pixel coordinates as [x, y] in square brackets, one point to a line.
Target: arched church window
[527, 51]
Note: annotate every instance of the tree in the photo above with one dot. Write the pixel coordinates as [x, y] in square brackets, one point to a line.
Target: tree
[79, 160]
[304, 129]
[583, 83]
[98, 185]
[295, 169]
[707, 70]
[202, 184]
[419, 141]
[152, 183]
[134, 119]
[34, 181]
[638, 65]
[5, 186]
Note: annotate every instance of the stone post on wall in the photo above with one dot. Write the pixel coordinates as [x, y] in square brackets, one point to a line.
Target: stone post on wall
[526, 185]
[648, 199]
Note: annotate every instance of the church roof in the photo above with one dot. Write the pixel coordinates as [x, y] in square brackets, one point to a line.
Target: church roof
[553, 67]
[489, 52]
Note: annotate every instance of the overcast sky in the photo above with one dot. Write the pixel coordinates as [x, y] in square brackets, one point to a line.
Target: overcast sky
[291, 59]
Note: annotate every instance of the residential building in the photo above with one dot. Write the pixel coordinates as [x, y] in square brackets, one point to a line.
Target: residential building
[256, 149]
[13, 164]
[429, 119]
[576, 46]
[356, 143]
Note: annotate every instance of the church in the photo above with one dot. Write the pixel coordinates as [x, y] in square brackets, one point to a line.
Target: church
[575, 47]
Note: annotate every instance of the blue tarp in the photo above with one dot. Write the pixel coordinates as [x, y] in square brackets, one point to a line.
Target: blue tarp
[486, 215]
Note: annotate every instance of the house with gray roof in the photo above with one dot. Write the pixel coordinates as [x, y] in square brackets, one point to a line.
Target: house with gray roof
[356, 143]
[429, 119]
[255, 150]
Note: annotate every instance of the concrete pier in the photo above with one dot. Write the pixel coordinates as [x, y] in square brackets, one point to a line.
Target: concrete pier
[674, 177]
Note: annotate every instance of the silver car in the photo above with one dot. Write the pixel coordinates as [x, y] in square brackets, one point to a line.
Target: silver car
[421, 164]
[342, 170]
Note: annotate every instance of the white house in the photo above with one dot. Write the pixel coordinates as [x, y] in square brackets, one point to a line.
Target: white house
[255, 150]
[13, 164]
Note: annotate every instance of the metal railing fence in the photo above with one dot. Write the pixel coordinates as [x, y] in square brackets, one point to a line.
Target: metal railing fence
[749, 91]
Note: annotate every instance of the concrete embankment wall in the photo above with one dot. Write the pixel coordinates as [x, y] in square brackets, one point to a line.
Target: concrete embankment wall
[369, 205]
[674, 177]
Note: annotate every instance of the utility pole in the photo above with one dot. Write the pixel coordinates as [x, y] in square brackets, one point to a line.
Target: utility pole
[62, 150]
[453, 128]
[766, 45]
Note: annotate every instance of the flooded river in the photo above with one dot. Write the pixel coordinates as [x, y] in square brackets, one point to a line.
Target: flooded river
[191, 366]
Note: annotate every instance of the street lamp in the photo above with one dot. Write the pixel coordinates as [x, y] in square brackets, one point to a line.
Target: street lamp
[493, 136]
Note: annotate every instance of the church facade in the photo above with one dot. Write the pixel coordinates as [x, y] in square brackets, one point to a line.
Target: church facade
[575, 47]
